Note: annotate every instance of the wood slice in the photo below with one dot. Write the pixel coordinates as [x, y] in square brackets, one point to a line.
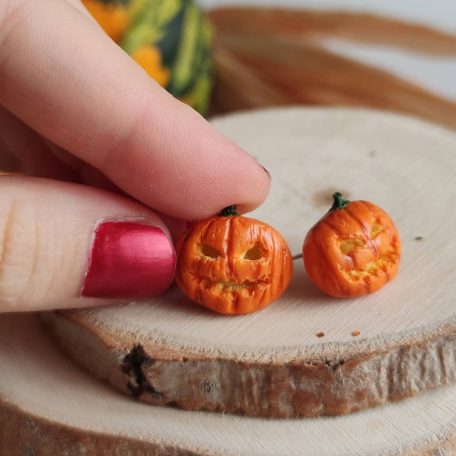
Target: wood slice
[386, 346]
[49, 407]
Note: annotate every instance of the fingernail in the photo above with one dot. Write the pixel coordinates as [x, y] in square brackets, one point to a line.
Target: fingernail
[266, 171]
[129, 260]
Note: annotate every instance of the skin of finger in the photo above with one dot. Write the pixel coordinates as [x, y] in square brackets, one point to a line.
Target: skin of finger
[81, 8]
[23, 150]
[31, 150]
[88, 97]
[8, 162]
[86, 174]
[42, 158]
[46, 231]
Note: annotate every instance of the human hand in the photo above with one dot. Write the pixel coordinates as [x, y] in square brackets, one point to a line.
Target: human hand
[77, 113]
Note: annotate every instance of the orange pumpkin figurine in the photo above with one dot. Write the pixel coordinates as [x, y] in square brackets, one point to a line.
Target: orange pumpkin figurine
[353, 250]
[233, 264]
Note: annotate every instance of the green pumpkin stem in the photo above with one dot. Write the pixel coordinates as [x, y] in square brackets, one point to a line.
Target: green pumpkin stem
[339, 202]
[230, 210]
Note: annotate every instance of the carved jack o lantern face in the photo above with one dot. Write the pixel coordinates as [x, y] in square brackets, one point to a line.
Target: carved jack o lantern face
[233, 265]
[353, 250]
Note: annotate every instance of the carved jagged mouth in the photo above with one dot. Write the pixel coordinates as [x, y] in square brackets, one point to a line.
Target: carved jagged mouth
[236, 286]
[374, 267]
[247, 284]
[232, 285]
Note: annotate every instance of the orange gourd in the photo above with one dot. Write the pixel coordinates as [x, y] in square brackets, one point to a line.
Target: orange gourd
[112, 16]
[352, 250]
[233, 264]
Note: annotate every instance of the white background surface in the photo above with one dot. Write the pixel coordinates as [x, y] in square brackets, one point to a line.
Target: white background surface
[437, 74]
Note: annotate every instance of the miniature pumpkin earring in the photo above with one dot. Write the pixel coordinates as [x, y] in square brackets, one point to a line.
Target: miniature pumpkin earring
[233, 264]
[354, 249]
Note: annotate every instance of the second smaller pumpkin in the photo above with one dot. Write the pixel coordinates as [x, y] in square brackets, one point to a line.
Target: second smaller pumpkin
[233, 264]
[354, 249]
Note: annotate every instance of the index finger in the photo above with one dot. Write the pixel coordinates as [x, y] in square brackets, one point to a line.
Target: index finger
[66, 79]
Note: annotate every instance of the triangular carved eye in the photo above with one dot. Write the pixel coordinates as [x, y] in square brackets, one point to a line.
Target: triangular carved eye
[255, 253]
[377, 229]
[209, 251]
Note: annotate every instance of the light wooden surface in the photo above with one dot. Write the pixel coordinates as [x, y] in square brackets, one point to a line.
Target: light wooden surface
[50, 407]
[272, 363]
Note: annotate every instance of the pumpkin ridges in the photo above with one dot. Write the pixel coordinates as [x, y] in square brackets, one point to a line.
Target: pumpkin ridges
[282, 259]
[315, 242]
[214, 226]
[282, 265]
[272, 269]
[229, 248]
[334, 228]
[351, 210]
[324, 245]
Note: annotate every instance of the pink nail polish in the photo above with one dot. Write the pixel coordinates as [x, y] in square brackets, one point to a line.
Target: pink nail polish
[129, 260]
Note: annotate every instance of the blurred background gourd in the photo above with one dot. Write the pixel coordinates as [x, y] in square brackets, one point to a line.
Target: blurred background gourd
[170, 39]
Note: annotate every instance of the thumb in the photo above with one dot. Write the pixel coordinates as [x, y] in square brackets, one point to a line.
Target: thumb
[64, 245]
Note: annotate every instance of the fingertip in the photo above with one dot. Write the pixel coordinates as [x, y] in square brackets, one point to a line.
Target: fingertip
[63, 240]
